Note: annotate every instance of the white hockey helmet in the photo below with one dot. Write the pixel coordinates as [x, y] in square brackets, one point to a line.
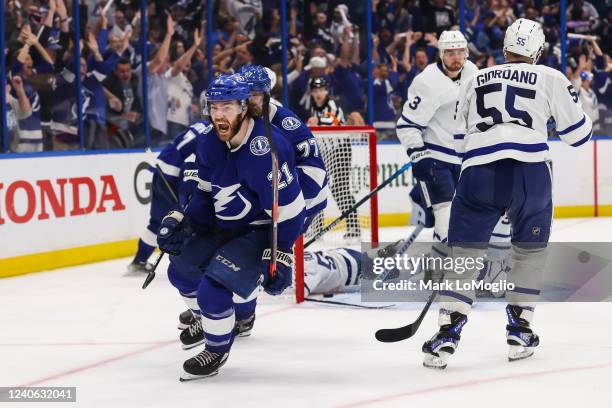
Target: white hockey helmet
[452, 40]
[272, 76]
[524, 37]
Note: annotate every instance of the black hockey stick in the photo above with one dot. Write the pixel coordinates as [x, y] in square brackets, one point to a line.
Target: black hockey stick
[151, 274]
[333, 302]
[274, 154]
[406, 332]
[346, 213]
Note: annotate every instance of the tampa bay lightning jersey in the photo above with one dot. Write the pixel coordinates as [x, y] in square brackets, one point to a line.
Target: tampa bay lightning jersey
[309, 162]
[177, 161]
[235, 189]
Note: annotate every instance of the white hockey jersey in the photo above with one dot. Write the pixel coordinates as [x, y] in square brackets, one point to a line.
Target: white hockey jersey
[427, 116]
[502, 112]
[330, 271]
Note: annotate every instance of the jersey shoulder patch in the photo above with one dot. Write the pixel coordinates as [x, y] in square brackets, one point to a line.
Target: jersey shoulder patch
[291, 123]
[259, 145]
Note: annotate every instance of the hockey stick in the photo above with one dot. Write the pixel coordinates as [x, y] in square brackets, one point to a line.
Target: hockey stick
[346, 213]
[151, 274]
[274, 154]
[333, 302]
[405, 332]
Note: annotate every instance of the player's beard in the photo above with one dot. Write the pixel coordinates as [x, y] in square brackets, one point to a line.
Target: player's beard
[227, 130]
[455, 66]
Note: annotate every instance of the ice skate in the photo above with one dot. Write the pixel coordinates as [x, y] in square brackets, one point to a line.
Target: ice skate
[204, 364]
[443, 344]
[138, 269]
[521, 340]
[186, 319]
[245, 326]
[193, 335]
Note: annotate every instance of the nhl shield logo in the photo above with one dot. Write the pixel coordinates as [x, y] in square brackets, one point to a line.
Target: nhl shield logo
[260, 146]
[290, 123]
[535, 231]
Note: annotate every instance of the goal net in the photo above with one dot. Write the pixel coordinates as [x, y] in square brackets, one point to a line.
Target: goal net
[349, 154]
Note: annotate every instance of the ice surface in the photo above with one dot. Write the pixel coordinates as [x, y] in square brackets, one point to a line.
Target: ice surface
[90, 327]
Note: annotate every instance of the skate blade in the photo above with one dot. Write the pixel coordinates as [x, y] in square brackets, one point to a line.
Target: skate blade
[244, 334]
[190, 346]
[437, 363]
[192, 377]
[516, 353]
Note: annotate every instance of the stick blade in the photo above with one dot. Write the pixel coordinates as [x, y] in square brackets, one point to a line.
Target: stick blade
[148, 280]
[395, 335]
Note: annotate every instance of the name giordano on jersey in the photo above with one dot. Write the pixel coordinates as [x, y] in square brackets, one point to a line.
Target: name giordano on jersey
[509, 73]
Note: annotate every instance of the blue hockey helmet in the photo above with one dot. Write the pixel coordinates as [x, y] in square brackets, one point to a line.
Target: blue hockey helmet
[227, 88]
[256, 77]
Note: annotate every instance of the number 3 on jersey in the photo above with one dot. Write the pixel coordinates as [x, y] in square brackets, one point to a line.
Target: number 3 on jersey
[415, 103]
[521, 117]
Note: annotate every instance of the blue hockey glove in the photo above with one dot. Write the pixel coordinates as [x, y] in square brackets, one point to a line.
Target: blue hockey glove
[284, 271]
[171, 233]
[421, 215]
[422, 164]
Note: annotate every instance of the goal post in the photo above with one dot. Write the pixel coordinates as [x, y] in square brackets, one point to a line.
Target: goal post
[349, 154]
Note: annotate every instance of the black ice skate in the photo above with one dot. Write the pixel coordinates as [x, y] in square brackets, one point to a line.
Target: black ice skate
[186, 319]
[245, 326]
[443, 344]
[138, 269]
[193, 335]
[520, 338]
[204, 364]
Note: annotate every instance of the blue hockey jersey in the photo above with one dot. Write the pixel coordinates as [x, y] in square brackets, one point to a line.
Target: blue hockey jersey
[309, 162]
[235, 189]
[177, 161]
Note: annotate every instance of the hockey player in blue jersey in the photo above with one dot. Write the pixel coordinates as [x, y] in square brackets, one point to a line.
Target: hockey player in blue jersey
[177, 163]
[312, 180]
[310, 166]
[221, 243]
[501, 118]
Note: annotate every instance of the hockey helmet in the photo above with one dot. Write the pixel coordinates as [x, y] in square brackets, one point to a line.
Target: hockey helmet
[319, 82]
[227, 88]
[452, 40]
[524, 37]
[256, 77]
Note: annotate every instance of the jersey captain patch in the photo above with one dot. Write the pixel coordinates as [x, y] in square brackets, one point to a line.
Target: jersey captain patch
[259, 146]
[290, 123]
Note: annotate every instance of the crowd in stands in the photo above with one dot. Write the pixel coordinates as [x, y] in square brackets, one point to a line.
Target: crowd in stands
[327, 39]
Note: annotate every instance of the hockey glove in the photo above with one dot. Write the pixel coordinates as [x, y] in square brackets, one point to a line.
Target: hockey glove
[421, 216]
[422, 163]
[284, 271]
[171, 233]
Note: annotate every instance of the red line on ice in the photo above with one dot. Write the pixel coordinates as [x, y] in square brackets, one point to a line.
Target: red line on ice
[445, 387]
[126, 355]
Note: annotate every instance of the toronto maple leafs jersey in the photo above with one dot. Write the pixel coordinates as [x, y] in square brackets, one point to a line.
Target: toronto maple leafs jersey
[331, 271]
[235, 189]
[309, 162]
[502, 112]
[427, 116]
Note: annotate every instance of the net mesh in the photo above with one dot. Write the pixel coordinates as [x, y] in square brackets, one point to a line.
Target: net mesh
[347, 159]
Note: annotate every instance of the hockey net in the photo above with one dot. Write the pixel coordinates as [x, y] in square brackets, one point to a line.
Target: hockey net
[349, 154]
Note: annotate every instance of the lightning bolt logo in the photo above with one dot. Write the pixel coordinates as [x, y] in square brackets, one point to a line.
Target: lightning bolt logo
[224, 196]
